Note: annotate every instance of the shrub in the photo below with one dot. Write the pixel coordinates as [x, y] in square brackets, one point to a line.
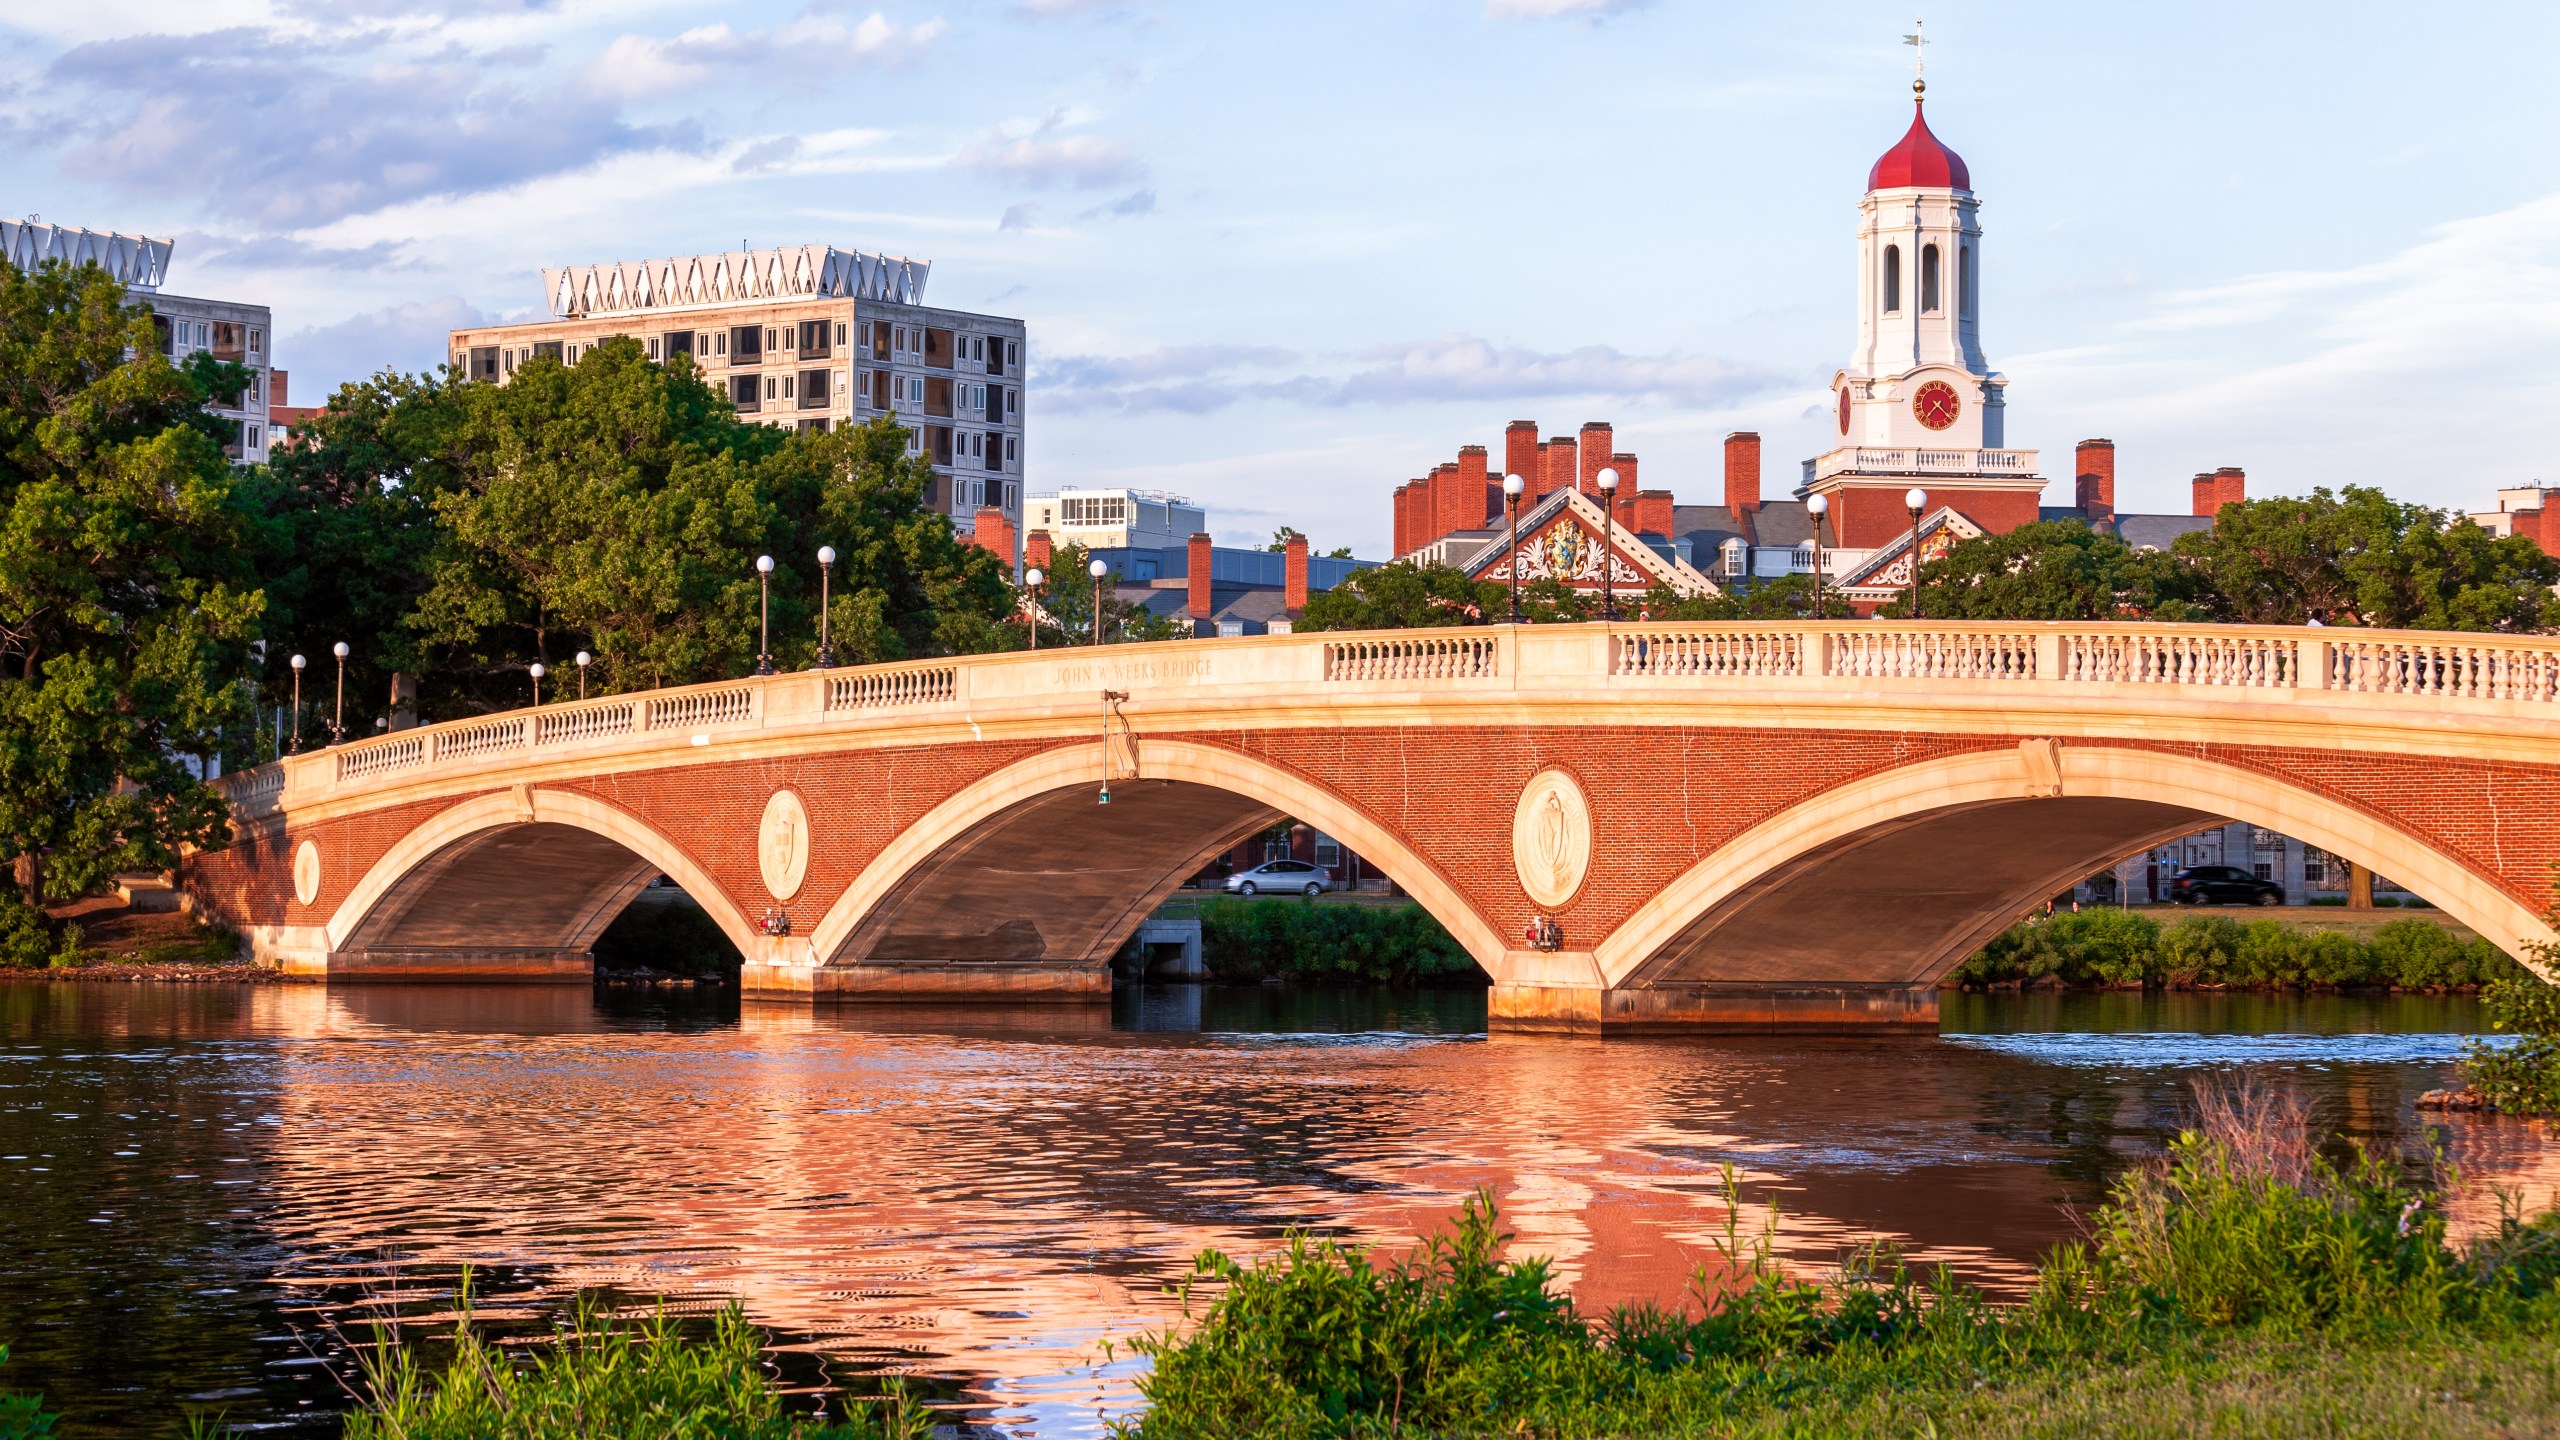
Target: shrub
[27, 940]
[1374, 944]
[2419, 955]
[213, 943]
[2198, 949]
[22, 1417]
[2522, 1078]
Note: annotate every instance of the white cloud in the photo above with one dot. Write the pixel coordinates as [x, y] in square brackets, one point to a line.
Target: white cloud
[407, 338]
[804, 54]
[1045, 159]
[1592, 10]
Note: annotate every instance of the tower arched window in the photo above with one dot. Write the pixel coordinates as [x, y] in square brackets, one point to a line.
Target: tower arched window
[1892, 278]
[1964, 281]
[1928, 279]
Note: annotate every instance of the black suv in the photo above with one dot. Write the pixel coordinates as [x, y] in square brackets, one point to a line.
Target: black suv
[2222, 885]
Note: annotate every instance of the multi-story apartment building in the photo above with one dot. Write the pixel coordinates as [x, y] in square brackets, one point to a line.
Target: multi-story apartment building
[807, 336]
[230, 329]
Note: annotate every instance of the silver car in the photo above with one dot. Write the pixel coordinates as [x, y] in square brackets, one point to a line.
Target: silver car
[1282, 877]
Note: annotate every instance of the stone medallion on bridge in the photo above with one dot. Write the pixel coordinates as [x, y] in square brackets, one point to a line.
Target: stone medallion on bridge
[306, 872]
[1551, 837]
[782, 844]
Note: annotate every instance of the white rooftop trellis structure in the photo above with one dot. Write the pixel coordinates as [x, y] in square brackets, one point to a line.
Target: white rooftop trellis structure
[137, 262]
[729, 276]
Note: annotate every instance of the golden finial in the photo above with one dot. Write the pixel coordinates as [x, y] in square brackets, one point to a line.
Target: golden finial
[1918, 40]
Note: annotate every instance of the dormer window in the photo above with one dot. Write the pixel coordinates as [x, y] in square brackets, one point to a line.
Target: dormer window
[1734, 558]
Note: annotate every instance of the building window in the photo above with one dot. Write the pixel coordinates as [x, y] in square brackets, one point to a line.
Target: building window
[746, 394]
[1964, 282]
[746, 343]
[1892, 279]
[253, 437]
[813, 389]
[839, 334]
[1928, 279]
[1735, 557]
[1012, 353]
[1328, 850]
[772, 388]
[1012, 450]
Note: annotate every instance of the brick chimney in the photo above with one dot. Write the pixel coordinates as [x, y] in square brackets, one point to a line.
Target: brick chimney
[1652, 513]
[1448, 512]
[1561, 465]
[1742, 471]
[1597, 441]
[991, 531]
[1035, 550]
[1293, 594]
[2230, 486]
[2538, 526]
[1473, 486]
[1520, 454]
[2093, 462]
[276, 390]
[2206, 501]
[1196, 573]
[1404, 493]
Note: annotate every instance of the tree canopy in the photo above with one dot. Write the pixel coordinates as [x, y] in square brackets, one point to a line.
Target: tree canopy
[128, 594]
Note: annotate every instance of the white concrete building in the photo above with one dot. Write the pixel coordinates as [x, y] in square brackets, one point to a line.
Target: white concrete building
[228, 329]
[1116, 519]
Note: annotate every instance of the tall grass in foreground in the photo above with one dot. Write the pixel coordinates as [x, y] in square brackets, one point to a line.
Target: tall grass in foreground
[603, 1377]
[2243, 1240]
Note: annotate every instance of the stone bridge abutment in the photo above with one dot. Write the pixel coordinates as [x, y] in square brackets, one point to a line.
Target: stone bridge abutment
[1726, 827]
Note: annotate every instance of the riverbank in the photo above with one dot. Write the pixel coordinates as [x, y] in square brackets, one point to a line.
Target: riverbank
[2128, 949]
[2244, 1284]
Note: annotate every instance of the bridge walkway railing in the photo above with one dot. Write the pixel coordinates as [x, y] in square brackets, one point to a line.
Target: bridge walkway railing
[2427, 667]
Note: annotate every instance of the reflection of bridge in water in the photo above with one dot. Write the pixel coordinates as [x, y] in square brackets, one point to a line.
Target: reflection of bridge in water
[1791, 825]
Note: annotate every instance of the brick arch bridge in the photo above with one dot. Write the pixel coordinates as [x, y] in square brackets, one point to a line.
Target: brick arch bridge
[1793, 825]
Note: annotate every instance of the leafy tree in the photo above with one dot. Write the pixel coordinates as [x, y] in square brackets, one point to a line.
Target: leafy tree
[1405, 595]
[2053, 570]
[615, 506]
[127, 598]
[1066, 604]
[2360, 557]
[1782, 597]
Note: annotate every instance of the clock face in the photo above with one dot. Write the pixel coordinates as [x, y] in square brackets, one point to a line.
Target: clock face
[1844, 409]
[1936, 405]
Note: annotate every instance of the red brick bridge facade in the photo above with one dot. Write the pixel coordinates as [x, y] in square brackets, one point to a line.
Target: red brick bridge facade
[1729, 826]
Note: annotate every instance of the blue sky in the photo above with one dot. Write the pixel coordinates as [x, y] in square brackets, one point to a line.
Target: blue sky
[1282, 257]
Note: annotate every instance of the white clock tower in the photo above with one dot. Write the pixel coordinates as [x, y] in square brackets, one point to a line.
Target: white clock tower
[1917, 404]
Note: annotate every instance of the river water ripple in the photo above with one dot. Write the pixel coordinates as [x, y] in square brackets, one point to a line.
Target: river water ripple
[206, 1189]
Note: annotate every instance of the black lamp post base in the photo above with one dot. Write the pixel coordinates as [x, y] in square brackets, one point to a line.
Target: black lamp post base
[826, 659]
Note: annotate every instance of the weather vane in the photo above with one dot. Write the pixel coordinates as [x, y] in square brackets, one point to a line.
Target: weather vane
[1919, 43]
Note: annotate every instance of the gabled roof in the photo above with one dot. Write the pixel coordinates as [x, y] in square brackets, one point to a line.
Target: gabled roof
[1890, 569]
[1639, 566]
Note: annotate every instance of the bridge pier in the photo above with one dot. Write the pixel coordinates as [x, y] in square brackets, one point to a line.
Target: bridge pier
[1563, 993]
[937, 982]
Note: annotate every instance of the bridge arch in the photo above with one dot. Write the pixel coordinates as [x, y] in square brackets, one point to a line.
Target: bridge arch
[1898, 876]
[985, 851]
[513, 876]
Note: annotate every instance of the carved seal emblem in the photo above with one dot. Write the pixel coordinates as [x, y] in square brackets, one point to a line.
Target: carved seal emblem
[1551, 837]
[782, 844]
[306, 872]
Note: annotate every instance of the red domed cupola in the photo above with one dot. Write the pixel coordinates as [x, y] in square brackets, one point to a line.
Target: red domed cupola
[1918, 159]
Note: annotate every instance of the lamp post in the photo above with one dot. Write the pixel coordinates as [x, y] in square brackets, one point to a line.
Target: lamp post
[1915, 500]
[764, 614]
[535, 669]
[1608, 543]
[338, 716]
[1031, 579]
[583, 660]
[1512, 485]
[294, 746]
[1817, 506]
[1097, 570]
[826, 568]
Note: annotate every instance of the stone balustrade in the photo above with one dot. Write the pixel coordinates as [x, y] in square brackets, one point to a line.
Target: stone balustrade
[1909, 662]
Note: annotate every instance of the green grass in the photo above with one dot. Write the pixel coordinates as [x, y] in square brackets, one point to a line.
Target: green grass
[22, 1417]
[602, 1377]
[2244, 1285]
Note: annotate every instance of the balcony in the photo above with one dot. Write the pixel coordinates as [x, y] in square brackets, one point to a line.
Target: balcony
[1900, 461]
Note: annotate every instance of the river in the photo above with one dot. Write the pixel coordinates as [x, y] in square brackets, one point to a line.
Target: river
[207, 1189]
